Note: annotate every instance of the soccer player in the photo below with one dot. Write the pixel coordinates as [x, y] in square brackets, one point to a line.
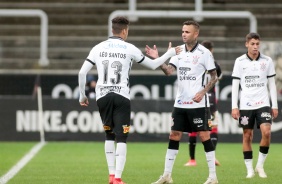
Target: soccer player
[214, 113]
[113, 59]
[191, 111]
[254, 71]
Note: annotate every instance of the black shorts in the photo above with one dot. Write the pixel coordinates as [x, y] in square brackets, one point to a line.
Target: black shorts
[191, 120]
[248, 118]
[115, 113]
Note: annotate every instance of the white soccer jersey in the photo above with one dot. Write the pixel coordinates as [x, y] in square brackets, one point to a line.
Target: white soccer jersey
[191, 69]
[113, 59]
[253, 75]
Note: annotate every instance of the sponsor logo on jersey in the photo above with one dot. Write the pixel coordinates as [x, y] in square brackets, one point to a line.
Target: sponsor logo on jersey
[180, 102]
[189, 77]
[254, 103]
[255, 85]
[115, 45]
[252, 77]
[126, 129]
[109, 89]
[244, 120]
[185, 68]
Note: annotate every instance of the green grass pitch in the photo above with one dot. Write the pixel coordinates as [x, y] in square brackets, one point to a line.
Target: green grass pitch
[85, 163]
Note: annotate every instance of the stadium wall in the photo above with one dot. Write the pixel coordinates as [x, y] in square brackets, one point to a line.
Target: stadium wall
[65, 120]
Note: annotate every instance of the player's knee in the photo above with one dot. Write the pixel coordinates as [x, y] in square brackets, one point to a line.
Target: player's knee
[121, 138]
[110, 136]
[175, 135]
[266, 134]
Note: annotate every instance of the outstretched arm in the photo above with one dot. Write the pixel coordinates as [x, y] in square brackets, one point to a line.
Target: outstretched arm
[153, 64]
[153, 53]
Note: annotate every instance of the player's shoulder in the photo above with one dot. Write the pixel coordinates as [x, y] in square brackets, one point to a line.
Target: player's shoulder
[203, 49]
[265, 57]
[242, 58]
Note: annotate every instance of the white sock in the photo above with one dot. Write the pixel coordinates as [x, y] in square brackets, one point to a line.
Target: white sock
[210, 156]
[261, 160]
[169, 161]
[249, 165]
[110, 155]
[120, 158]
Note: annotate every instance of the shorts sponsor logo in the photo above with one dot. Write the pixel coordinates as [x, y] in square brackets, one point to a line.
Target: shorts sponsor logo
[244, 120]
[107, 127]
[197, 121]
[125, 129]
[266, 115]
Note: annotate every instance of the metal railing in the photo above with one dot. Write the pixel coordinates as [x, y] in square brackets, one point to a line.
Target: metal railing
[43, 60]
[198, 14]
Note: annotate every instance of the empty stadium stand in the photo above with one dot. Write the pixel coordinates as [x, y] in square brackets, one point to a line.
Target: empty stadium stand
[76, 25]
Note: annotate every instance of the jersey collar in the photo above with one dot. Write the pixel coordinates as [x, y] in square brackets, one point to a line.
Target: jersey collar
[251, 58]
[192, 50]
[116, 37]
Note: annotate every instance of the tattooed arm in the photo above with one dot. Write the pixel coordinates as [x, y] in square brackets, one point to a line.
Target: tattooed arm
[167, 69]
[199, 96]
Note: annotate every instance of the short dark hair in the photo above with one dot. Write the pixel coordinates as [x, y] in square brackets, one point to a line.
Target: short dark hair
[119, 23]
[208, 44]
[192, 22]
[250, 36]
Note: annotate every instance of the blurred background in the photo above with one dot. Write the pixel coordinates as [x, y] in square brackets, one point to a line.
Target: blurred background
[28, 60]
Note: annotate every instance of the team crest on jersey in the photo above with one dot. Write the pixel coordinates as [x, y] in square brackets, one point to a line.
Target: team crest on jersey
[195, 59]
[262, 66]
[126, 129]
[244, 120]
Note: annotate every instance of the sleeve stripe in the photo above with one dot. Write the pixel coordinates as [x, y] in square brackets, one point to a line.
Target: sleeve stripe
[271, 76]
[141, 60]
[211, 70]
[172, 65]
[90, 61]
[235, 78]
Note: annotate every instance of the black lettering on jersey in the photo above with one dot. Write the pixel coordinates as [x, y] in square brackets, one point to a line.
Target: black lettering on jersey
[117, 55]
[103, 54]
[189, 77]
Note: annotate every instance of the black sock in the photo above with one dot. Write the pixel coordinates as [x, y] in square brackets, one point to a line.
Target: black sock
[192, 146]
[214, 139]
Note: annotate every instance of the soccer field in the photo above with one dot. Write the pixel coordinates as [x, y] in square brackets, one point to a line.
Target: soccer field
[84, 162]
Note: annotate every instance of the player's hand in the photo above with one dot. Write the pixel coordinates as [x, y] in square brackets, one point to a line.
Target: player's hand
[178, 49]
[152, 52]
[274, 113]
[235, 113]
[198, 97]
[84, 101]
